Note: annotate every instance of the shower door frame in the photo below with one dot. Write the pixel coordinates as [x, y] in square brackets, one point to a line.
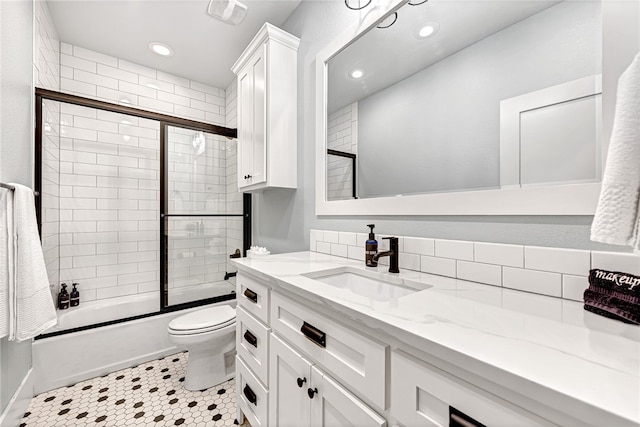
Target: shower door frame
[164, 121]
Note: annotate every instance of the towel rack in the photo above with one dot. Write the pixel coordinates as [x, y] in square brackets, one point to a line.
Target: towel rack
[12, 188]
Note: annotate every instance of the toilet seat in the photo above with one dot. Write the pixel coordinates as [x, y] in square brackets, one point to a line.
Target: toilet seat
[202, 321]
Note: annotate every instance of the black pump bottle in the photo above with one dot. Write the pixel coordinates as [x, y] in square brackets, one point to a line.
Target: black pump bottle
[371, 248]
[63, 298]
[75, 296]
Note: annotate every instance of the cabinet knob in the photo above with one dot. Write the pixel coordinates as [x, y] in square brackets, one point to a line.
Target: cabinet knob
[301, 381]
[311, 392]
[248, 176]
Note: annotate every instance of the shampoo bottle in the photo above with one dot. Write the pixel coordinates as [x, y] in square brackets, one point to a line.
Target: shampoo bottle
[75, 296]
[371, 248]
[63, 298]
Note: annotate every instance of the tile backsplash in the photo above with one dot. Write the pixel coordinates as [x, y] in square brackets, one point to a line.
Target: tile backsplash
[556, 272]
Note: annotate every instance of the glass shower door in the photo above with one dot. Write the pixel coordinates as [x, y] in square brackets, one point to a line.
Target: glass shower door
[197, 207]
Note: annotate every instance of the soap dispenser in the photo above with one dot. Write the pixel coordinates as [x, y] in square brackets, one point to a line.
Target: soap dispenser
[75, 296]
[63, 298]
[371, 248]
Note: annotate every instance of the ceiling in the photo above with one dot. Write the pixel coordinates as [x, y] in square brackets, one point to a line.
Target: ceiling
[204, 47]
[395, 53]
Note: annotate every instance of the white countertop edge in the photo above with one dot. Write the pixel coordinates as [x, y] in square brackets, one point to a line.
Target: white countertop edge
[589, 395]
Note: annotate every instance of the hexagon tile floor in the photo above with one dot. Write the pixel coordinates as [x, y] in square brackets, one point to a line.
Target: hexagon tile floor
[150, 394]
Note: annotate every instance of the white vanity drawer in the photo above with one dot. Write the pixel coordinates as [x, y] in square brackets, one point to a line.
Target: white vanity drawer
[358, 361]
[253, 296]
[421, 395]
[252, 344]
[251, 396]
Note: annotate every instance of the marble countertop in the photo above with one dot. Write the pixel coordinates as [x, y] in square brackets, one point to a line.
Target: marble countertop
[549, 349]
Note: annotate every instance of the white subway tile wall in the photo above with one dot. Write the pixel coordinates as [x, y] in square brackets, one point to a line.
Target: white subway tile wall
[106, 170]
[109, 215]
[46, 65]
[539, 282]
[95, 75]
[342, 135]
[554, 272]
[567, 261]
[46, 74]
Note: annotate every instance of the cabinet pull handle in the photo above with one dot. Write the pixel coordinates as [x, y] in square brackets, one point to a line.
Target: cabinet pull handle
[250, 395]
[460, 419]
[301, 381]
[311, 392]
[314, 334]
[251, 296]
[251, 339]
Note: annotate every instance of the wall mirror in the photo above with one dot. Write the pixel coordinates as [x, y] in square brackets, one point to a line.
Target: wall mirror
[460, 107]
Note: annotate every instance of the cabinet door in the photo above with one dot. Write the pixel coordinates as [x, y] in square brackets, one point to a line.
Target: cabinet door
[289, 380]
[421, 395]
[334, 406]
[252, 121]
[245, 125]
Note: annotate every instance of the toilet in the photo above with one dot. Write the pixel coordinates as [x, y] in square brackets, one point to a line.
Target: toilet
[209, 336]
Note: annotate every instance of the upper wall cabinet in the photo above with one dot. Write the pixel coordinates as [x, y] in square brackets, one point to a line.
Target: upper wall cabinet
[267, 111]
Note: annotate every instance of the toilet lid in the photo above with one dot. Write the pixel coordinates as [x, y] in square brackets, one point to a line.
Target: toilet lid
[207, 319]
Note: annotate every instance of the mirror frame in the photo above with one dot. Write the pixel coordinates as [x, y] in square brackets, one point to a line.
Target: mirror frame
[569, 199]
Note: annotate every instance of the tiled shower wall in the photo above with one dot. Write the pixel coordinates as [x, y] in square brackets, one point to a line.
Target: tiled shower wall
[109, 187]
[548, 271]
[46, 74]
[342, 135]
[109, 237]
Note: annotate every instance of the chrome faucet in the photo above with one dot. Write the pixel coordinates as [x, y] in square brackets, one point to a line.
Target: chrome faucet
[392, 253]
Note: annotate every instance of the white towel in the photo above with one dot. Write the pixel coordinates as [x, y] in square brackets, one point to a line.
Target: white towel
[34, 308]
[617, 218]
[6, 254]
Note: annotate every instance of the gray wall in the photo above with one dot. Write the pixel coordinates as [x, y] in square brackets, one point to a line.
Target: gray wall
[440, 128]
[16, 142]
[283, 218]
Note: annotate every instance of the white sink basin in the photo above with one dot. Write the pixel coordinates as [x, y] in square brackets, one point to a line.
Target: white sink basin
[375, 285]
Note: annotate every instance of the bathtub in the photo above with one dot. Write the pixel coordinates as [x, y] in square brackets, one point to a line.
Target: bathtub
[110, 309]
[76, 356]
[106, 310]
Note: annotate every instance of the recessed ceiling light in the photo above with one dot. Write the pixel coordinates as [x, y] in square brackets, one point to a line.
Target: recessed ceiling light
[428, 29]
[161, 49]
[356, 74]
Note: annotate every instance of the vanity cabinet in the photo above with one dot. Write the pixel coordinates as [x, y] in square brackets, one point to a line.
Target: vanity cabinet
[355, 359]
[267, 111]
[304, 395]
[273, 385]
[253, 336]
[323, 369]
